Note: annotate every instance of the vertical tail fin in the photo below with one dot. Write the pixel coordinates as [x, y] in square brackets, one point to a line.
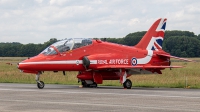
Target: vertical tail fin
[153, 38]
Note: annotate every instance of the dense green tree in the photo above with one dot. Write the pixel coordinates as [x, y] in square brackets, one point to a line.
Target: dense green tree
[179, 33]
[27, 50]
[133, 38]
[130, 40]
[182, 46]
[198, 37]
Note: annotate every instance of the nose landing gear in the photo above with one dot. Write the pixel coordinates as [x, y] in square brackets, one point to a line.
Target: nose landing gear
[40, 84]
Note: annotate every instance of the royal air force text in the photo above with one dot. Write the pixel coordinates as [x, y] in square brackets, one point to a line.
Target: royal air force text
[114, 61]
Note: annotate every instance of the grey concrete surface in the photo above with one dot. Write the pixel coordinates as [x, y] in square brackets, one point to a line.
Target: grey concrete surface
[65, 98]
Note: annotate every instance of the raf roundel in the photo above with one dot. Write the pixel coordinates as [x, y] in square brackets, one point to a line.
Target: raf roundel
[134, 61]
[77, 62]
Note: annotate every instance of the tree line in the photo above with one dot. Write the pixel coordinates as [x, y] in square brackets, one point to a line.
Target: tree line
[16, 49]
[177, 43]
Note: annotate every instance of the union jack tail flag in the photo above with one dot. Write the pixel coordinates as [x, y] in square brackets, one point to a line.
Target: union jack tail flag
[153, 39]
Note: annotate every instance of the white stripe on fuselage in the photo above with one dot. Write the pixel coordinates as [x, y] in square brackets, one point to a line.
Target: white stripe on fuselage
[146, 59]
[60, 62]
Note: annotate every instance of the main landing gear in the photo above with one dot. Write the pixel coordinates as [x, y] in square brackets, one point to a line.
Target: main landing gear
[40, 84]
[127, 84]
[88, 83]
[123, 79]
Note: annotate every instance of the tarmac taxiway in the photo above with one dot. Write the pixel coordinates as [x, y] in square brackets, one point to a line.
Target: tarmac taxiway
[59, 98]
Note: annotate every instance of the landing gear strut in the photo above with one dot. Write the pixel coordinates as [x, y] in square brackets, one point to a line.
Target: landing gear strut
[127, 84]
[40, 84]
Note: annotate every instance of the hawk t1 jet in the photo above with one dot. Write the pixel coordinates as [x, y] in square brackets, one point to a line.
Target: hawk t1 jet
[98, 60]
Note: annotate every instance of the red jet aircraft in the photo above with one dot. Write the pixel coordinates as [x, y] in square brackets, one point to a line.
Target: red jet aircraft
[97, 60]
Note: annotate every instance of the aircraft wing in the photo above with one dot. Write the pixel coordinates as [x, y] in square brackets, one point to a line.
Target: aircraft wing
[130, 67]
[166, 55]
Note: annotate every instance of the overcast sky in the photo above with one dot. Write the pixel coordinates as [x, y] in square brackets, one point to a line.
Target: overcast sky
[36, 21]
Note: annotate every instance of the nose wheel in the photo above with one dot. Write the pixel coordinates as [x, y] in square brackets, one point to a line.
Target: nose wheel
[40, 84]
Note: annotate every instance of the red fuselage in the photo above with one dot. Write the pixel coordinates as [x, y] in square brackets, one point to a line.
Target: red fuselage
[103, 54]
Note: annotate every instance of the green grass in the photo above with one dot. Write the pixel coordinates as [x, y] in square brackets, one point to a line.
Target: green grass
[175, 78]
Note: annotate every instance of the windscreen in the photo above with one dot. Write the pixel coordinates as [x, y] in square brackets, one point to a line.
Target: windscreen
[66, 45]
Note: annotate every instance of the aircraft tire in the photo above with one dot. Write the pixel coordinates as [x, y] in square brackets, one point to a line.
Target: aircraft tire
[127, 84]
[40, 85]
[84, 84]
[94, 85]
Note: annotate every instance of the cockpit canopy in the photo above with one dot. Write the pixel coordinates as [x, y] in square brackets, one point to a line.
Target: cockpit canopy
[66, 45]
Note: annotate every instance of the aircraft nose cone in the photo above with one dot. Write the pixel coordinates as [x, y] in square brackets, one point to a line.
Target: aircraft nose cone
[18, 65]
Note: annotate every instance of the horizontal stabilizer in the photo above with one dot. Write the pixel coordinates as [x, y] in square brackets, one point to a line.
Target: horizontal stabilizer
[166, 55]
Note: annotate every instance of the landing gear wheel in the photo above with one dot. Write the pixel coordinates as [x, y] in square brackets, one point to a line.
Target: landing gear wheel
[84, 84]
[40, 84]
[94, 85]
[127, 84]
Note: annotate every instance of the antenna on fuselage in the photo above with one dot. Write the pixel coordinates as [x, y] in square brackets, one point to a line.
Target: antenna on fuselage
[64, 73]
